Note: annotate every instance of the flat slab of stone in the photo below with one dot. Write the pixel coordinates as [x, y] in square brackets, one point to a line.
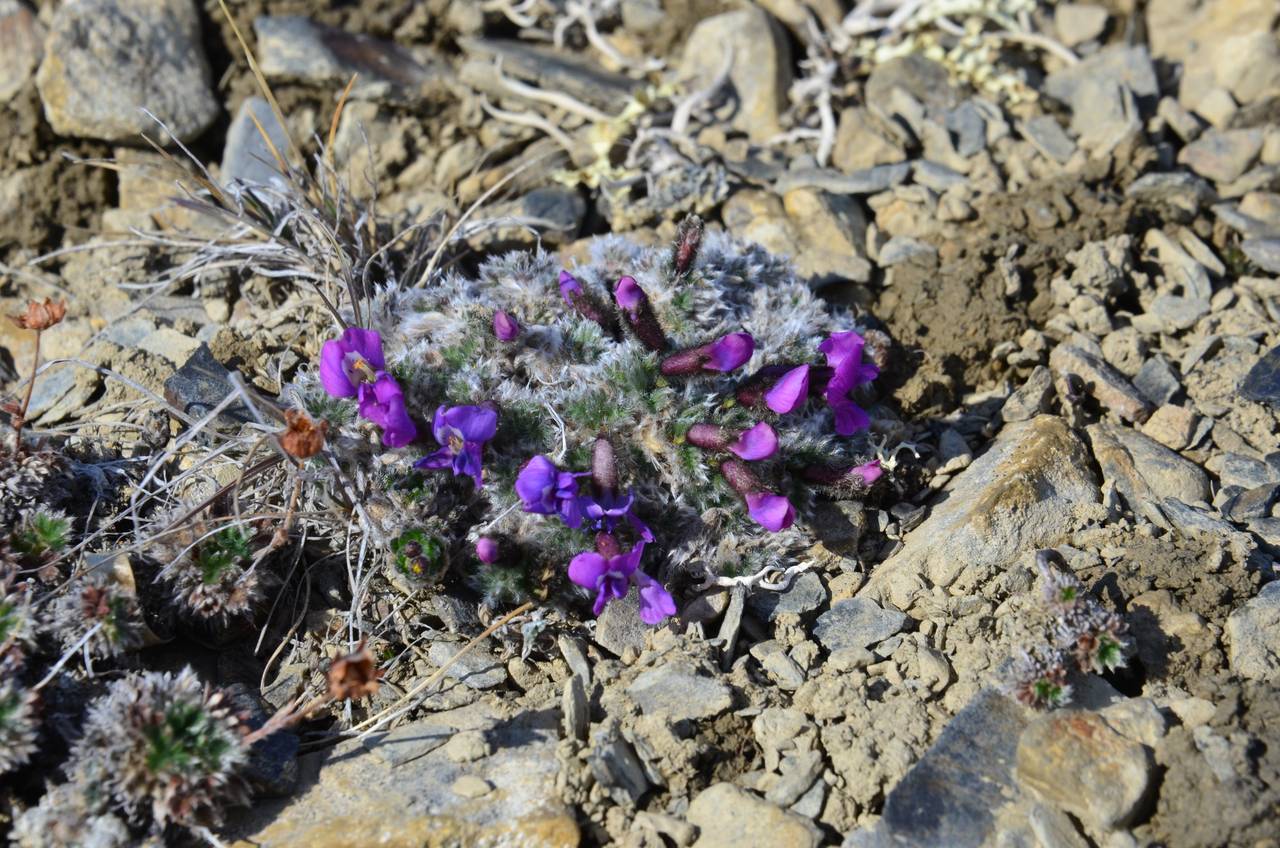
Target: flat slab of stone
[1143, 469]
[677, 690]
[857, 623]
[729, 817]
[1030, 490]
[1253, 636]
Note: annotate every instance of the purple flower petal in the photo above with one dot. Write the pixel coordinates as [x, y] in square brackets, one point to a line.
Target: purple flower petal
[629, 295]
[442, 458]
[730, 352]
[572, 511]
[486, 550]
[468, 463]
[332, 375]
[472, 423]
[869, 471]
[760, 442]
[841, 348]
[536, 485]
[569, 286]
[505, 327]
[587, 569]
[850, 418]
[772, 512]
[382, 402]
[656, 602]
[440, 427]
[791, 390]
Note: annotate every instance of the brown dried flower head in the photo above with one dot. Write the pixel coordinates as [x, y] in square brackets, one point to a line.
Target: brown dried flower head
[40, 316]
[354, 676]
[303, 436]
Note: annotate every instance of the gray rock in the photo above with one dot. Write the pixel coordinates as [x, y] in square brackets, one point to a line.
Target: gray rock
[1252, 503]
[1077, 23]
[1128, 66]
[1031, 398]
[729, 817]
[1143, 469]
[1262, 383]
[575, 657]
[246, 156]
[1031, 489]
[900, 249]
[1054, 828]
[553, 70]
[862, 142]
[677, 690]
[1157, 381]
[1247, 225]
[1181, 190]
[1102, 381]
[1075, 761]
[805, 594]
[354, 785]
[1176, 313]
[1179, 119]
[970, 128]
[1222, 155]
[105, 60]
[475, 669]
[761, 69]
[556, 212]
[272, 769]
[937, 177]
[293, 47]
[868, 181]
[574, 709]
[200, 385]
[857, 623]
[619, 627]
[1264, 252]
[21, 47]
[617, 768]
[1104, 113]
[922, 78]
[952, 795]
[1048, 137]
[1246, 472]
[1253, 636]
[798, 772]
[789, 676]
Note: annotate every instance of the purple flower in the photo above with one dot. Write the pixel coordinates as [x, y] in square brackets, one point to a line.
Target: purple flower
[610, 573]
[605, 508]
[461, 431]
[351, 360]
[790, 392]
[868, 471]
[487, 550]
[505, 327]
[724, 354]
[382, 402]
[826, 475]
[772, 512]
[544, 489]
[630, 296]
[759, 442]
[844, 357]
[569, 287]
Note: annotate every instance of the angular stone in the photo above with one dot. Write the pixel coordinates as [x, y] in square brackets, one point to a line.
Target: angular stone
[860, 143]
[924, 79]
[553, 70]
[1222, 155]
[1127, 66]
[1156, 381]
[106, 60]
[1253, 636]
[616, 767]
[474, 668]
[1172, 426]
[857, 623]
[729, 817]
[1143, 469]
[1262, 383]
[200, 385]
[1263, 252]
[1175, 313]
[1246, 472]
[867, 181]
[1105, 383]
[1181, 190]
[677, 690]
[1031, 398]
[1077, 23]
[353, 789]
[1075, 761]
[21, 47]
[901, 249]
[805, 594]
[1031, 489]
[246, 156]
[1047, 136]
[761, 69]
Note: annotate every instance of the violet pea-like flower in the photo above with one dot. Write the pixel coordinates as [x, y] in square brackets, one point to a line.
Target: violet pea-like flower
[350, 361]
[844, 357]
[382, 402]
[505, 327]
[544, 489]
[462, 432]
[606, 508]
[610, 573]
[724, 354]
[772, 512]
[790, 392]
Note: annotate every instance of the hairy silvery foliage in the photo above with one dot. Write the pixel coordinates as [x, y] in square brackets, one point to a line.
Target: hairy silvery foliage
[565, 367]
[67, 816]
[100, 611]
[164, 748]
[209, 571]
[28, 478]
[19, 725]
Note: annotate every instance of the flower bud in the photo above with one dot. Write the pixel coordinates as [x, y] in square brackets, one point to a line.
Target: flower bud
[487, 550]
[505, 327]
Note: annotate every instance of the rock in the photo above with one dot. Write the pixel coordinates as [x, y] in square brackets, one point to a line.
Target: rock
[970, 127]
[1031, 398]
[1222, 155]
[1156, 381]
[856, 623]
[575, 710]
[867, 181]
[1053, 828]
[952, 795]
[577, 75]
[1217, 107]
[789, 677]
[1172, 426]
[1102, 381]
[1263, 252]
[168, 343]
[761, 69]
[556, 212]
[292, 47]
[475, 668]
[200, 385]
[1248, 65]
[824, 233]
[1262, 383]
[246, 156]
[619, 627]
[1181, 190]
[901, 249]
[861, 143]
[1143, 469]
[1181, 121]
[936, 177]
[1029, 490]
[616, 767]
[21, 47]
[1127, 66]
[272, 769]
[729, 817]
[1174, 313]
[678, 691]
[805, 594]
[105, 60]
[397, 800]
[924, 79]
[1077, 23]
[1252, 503]
[1075, 761]
[1048, 137]
[1253, 636]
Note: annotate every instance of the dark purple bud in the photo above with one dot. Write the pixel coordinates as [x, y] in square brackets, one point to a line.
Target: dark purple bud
[709, 437]
[688, 240]
[1075, 387]
[835, 475]
[604, 471]
[569, 287]
[638, 314]
[607, 546]
[740, 478]
[487, 550]
[724, 354]
[505, 327]
[584, 304]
